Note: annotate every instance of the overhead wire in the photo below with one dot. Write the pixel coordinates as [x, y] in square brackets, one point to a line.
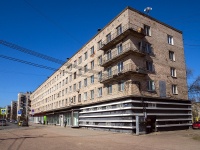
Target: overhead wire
[30, 52]
[28, 63]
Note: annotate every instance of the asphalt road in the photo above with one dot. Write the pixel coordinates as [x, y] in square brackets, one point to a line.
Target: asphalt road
[9, 126]
[43, 137]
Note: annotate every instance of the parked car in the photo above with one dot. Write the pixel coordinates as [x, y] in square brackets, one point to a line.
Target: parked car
[196, 125]
[2, 122]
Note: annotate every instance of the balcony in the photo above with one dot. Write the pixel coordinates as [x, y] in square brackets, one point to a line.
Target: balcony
[116, 54]
[128, 69]
[128, 29]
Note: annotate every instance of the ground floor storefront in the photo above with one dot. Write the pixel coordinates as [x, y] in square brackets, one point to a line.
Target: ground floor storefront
[130, 115]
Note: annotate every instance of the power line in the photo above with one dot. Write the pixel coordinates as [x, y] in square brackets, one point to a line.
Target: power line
[30, 52]
[28, 63]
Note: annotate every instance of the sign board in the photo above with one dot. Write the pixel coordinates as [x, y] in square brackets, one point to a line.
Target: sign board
[32, 111]
[3, 111]
[19, 113]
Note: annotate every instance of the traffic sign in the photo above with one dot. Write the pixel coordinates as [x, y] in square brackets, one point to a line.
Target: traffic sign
[19, 113]
[3, 111]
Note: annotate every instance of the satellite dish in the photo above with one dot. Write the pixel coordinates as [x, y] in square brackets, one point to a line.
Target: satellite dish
[147, 10]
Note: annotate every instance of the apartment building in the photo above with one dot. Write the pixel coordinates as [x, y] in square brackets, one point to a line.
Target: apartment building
[23, 107]
[13, 111]
[130, 75]
[8, 111]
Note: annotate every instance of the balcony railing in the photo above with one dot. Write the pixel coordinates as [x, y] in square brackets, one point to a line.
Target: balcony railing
[117, 36]
[115, 54]
[126, 69]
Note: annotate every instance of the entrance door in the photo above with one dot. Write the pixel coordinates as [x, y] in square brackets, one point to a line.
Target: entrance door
[75, 119]
[61, 120]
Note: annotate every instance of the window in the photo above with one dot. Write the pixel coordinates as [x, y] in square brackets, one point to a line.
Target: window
[70, 89]
[148, 48]
[79, 97]
[63, 82]
[92, 94]
[173, 72]
[79, 85]
[66, 90]
[80, 72]
[109, 71]
[65, 101]
[109, 55]
[119, 49]
[85, 96]
[100, 44]
[85, 69]
[149, 65]
[108, 37]
[74, 75]
[109, 89]
[147, 30]
[121, 86]
[119, 30]
[74, 99]
[170, 39]
[86, 55]
[75, 64]
[70, 78]
[66, 80]
[85, 82]
[100, 60]
[120, 66]
[100, 92]
[92, 50]
[63, 72]
[63, 93]
[151, 85]
[171, 55]
[70, 68]
[174, 89]
[74, 87]
[80, 60]
[92, 65]
[92, 79]
[100, 75]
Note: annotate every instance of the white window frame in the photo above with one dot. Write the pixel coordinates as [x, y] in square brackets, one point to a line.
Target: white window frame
[121, 86]
[173, 71]
[100, 92]
[119, 29]
[119, 48]
[100, 44]
[109, 88]
[109, 71]
[120, 66]
[92, 50]
[91, 94]
[85, 96]
[92, 65]
[100, 60]
[86, 55]
[151, 85]
[147, 30]
[149, 66]
[109, 54]
[85, 82]
[92, 79]
[174, 89]
[170, 39]
[171, 55]
[108, 37]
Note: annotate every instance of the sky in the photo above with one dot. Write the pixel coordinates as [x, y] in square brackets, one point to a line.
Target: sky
[59, 28]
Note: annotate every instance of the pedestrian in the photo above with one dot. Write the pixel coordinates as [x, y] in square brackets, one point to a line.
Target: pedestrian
[47, 122]
[65, 122]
